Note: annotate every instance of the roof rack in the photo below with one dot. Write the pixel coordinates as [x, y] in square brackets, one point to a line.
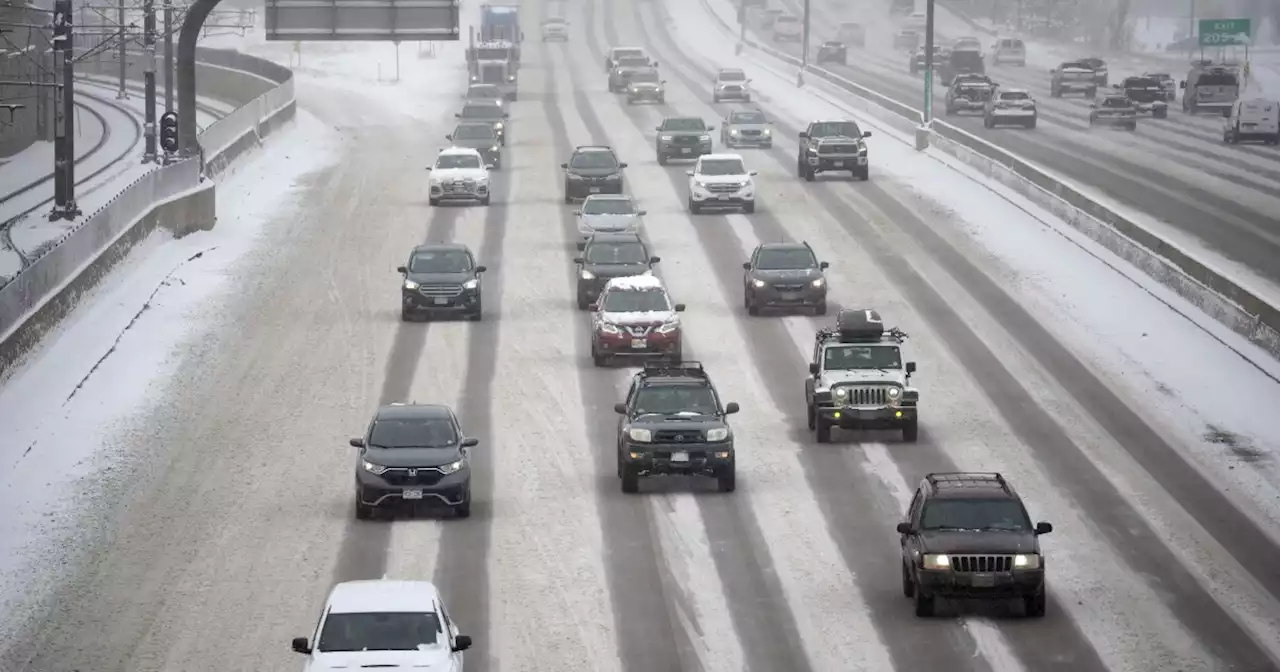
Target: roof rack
[684, 369]
[859, 326]
[967, 479]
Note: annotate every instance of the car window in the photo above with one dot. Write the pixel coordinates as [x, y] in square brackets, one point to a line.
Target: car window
[451, 161]
[593, 160]
[826, 129]
[633, 62]
[852, 357]
[676, 400]
[721, 167]
[635, 301]
[441, 261]
[486, 91]
[649, 77]
[782, 259]
[1015, 95]
[474, 132]
[1115, 102]
[748, 118]
[481, 112]
[615, 253]
[412, 433]
[684, 125]
[609, 206]
[974, 514]
[627, 53]
[379, 632]
[732, 75]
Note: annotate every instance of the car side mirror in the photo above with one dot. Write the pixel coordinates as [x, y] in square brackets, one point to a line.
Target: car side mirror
[301, 645]
[654, 260]
[457, 115]
[804, 134]
[642, 213]
[1093, 105]
[1043, 528]
[688, 172]
[470, 442]
[481, 269]
[577, 213]
[1182, 84]
[577, 260]
[911, 367]
[593, 307]
[1116, 87]
[663, 82]
[904, 528]
[401, 270]
[461, 643]
[655, 64]
[620, 409]
[1053, 71]
[448, 137]
[746, 265]
[622, 165]
[753, 173]
[564, 166]
[356, 442]
[657, 128]
[824, 265]
[731, 408]
[679, 307]
[866, 134]
[506, 115]
[430, 167]
[711, 128]
[813, 368]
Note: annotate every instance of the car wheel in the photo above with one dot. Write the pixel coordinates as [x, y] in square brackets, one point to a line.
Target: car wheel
[406, 315]
[824, 430]
[568, 199]
[810, 175]
[630, 482]
[924, 604]
[662, 160]
[908, 586]
[715, 99]
[476, 316]
[363, 512]
[749, 208]
[485, 201]
[864, 174]
[583, 303]
[911, 431]
[463, 510]
[1035, 605]
[433, 202]
[1031, 124]
[821, 309]
[812, 415]
[988, 122]
[598, 359]
[727, 482]
[694, 208]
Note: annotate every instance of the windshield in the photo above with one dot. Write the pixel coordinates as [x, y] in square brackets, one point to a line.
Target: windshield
[1115, 102]
[593, 160]
[446, 261]
[676, 399]
[450, 161]
[633, 62]
[484, 91]
[683, 125]
[627, 53]
[1217, 80]
[1014, 95]
[721, 167]
[851, 357]
[615, 253]
[649, 77]
[474, 132]
[1075, 66]
[481, 112]
[785, 259]
[732, 75]
[412, 433]
[609, 206]
[829, 129]
[974, 514]
[1160, 77]
[966, 59]
[1141, 83]
[631, 301]
[748, 118]
[379, 632]
[492, 54]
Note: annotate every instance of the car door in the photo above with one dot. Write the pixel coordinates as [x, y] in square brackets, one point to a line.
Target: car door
[451, 638]
[623, 419]
[746, 272]
[909, 542]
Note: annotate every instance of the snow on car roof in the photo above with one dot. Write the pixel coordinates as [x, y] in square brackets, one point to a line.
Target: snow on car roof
[720, 156]
[636, 283]
[458, 151]
[1003, 91]
[383, 596]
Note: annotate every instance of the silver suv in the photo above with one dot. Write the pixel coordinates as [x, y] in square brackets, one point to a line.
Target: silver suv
[608, 213]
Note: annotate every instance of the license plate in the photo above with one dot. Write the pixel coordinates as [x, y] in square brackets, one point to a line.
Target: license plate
[595, 190]
[1248, 125]
[790, 296]
[442, 302]
[838, 164]
[412, 494]
[679, 457]
[638, 343]
[722, 197]
[983, 580]
[685, 150]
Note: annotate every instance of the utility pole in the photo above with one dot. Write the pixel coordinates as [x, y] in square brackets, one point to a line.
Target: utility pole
[804, 49]
[168, 55]
[742, 26]
[64, 143]
[149, 80]
[123, 93]
[926, 116]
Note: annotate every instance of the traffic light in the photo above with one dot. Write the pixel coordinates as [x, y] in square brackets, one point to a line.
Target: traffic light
[169, 131]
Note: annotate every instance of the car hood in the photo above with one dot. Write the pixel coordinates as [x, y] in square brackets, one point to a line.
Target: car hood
[440, 278]
[740, 83]
[868, 376]
[412, 457]
[749, 127]
[646, 85]
[427, 660]
[800, 275]
[476, 143]
[459, 174]
[639, 318]
[611, 222]
[959, 542]
[697, 133]
[593, 172]
[678, 422]
[616, 270]
[723, 179]
[831, 47]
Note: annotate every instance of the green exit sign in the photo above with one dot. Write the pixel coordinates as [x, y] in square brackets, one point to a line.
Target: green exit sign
[1225, 32]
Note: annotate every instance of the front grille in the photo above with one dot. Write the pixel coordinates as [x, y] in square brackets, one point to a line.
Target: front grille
[981, 563]
[441, 290]
[677, 436]
[638, 331]
[685, 140]
[459, 187]
[422, 476]
[789, 288]
[722, 188]
[732, 89]
[750, 133]
[694, 455]
[866, 396]
[831, 148]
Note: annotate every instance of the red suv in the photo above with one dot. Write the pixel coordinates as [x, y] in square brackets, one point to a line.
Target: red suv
[635, 319]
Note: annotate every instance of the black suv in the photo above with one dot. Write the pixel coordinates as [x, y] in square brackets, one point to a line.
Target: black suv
[592, 170]
[967, 535]
[673, 425]
[412, 454]
[784, 275]
[441, 278]
[607, 256]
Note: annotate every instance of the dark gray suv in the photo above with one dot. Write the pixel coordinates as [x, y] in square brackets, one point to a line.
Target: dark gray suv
[784, 275]
[682, 138]
[411, 455]
[607, 256]
[441, 278]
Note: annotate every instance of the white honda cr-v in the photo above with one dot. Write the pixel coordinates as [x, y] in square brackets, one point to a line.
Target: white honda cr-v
[721, 181]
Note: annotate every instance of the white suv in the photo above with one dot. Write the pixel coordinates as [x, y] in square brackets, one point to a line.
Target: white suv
[459, 174]
[721, 181]
[1009, 50]
[384, 623]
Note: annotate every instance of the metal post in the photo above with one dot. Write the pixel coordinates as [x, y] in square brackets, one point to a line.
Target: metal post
[397, 46]
[123, 55]
[188, 132]
[149, 80]
[742, 26]
[64, 144]
[168, 55]
[1191, 20]
[804, 49]
[928, 64]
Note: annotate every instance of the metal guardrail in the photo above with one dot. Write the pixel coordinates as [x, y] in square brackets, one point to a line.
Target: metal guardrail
[1243, 311]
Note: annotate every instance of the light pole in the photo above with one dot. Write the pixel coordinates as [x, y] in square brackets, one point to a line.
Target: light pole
[926, 117]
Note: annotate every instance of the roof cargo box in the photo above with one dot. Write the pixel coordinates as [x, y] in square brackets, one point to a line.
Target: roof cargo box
[859, 325]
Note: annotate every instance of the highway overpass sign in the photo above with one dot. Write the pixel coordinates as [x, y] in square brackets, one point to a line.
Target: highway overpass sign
[1225, 33]
[362, 20]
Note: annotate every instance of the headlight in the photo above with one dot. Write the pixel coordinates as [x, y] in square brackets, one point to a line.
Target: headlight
[588, 275]
[936, 561]
[1026, 561]
[733, 131]
[640, 435]
[614, 176]
[894, 392]
[818, 283]
[474, 78]
[766, 132]
[757, 283]
[669, 327]
[610, 328]
[840, 392]
[705, 138]
[718, 434]
[497, 126]
[493, 148]
[374, 468]
[666, 138]
[471, 284]
[511, 78]
[409, 284]
[453, 467]
[700, 184]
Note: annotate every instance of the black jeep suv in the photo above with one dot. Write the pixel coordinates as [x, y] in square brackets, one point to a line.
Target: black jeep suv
[673, 424]
[592, 170]
[784, 275]
[441, 278]
[413, 454]
[607, 256]
[967, 535]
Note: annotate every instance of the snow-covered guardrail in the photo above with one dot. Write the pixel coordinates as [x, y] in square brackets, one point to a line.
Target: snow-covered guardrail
[177, 197]
[1218, 296]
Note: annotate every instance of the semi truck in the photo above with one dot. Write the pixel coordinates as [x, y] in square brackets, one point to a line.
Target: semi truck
[500, 22]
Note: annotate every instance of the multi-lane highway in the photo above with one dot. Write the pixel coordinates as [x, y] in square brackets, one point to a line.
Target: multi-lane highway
[1176, 170]
[242, 518]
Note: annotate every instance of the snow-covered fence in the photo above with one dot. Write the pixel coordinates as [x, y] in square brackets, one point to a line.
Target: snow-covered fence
[177, 197]
[1217, 295]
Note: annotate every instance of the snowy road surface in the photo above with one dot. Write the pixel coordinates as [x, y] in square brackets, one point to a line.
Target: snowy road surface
[1202, 192]
[191, 495]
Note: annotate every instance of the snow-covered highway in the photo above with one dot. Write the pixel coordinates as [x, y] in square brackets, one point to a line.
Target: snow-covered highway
[178, 483]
